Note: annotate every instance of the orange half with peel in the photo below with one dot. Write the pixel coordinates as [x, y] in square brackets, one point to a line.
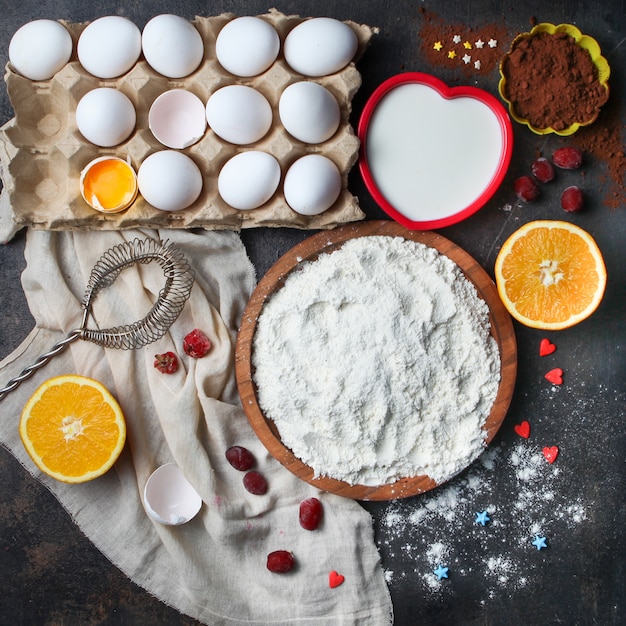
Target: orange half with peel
[550, 274]
[73, 428]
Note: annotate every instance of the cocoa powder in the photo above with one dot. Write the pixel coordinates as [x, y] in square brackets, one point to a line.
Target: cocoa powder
[552, 82]
[604, 140]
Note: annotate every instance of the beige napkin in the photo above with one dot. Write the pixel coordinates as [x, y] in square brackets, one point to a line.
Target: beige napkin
[212, 568]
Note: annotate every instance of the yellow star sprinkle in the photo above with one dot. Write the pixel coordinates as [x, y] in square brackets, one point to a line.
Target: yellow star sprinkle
[467, 45]
[451, 54]
[438, 45]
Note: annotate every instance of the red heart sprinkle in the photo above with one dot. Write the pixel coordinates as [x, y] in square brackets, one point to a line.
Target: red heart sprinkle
[550, 454]
[334, 579]
[523, 429]
[545, 347]
[555, 376]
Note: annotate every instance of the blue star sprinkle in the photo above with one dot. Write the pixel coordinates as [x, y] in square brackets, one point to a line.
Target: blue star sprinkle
[482, 518]
[441, 572]
[539, 542]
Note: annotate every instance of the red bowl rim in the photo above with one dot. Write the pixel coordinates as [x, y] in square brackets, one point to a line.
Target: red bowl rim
[446, 92]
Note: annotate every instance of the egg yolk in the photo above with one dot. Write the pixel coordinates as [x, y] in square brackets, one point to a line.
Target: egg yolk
[110, 185]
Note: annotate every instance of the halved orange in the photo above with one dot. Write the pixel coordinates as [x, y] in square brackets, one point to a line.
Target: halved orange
[550, 274]
[73, 428]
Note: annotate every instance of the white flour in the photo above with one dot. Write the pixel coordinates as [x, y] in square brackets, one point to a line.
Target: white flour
[375, 362]
[439, 527]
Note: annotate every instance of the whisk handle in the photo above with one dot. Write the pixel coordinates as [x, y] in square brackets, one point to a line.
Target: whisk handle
[40, 362]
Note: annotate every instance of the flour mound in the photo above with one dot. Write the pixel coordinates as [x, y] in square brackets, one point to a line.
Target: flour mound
[375, 363]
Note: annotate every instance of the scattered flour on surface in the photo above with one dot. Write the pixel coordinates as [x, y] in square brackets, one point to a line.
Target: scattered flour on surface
[439, 527]
[376, 362]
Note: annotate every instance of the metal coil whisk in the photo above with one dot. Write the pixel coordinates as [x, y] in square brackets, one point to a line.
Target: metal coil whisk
[179, 279]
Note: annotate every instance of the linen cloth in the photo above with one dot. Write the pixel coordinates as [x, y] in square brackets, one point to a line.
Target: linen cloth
[212, 568]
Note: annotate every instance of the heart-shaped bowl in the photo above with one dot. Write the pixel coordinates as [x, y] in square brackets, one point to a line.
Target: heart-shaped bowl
[584, 41]
[432, 155]
[327, 242]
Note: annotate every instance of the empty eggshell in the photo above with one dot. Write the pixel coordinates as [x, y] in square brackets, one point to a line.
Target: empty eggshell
[312, 184]
[249, 179]
[247, 46]
[105, 117]
[169, 180]
[177, 118]
[320, 46]
[239, 114]
[172, 45]
[169, 497]
[39, 49]
[109, 46]
[309, 112]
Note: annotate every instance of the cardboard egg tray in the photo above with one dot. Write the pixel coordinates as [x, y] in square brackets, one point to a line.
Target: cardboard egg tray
[42, 153]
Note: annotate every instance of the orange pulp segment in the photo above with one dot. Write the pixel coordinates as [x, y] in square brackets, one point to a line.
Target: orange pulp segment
[550, 274]
[73, 428]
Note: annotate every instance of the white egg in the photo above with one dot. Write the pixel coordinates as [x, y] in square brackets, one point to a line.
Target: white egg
[320, 46]
[172, 45]
[239, 114]
[249, 179]
[39, 49]
[109, 46]
[169, 180]
[247, 46]
[309, 112]
[105, 117]
[312, 184]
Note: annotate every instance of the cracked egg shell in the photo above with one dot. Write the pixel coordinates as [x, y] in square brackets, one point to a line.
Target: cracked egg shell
[108, 184]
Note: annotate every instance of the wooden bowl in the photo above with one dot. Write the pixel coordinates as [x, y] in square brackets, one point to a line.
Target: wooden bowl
[309, 250]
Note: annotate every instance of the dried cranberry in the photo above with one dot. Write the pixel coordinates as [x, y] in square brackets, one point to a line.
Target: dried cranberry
[542, 170]
[310, 513]
[526, 188]
[572, 199]
[255, 483]
[240, 458]
[280, 561]
[166, 363]
[567, 158]
[196, 344]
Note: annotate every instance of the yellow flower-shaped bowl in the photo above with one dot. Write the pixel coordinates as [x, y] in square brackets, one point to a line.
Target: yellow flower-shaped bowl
[584, 41]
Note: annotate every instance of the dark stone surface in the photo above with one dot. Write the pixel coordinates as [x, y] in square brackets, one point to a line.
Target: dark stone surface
[51, 574]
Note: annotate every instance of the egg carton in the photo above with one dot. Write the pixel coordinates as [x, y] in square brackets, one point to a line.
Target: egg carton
[42, 153]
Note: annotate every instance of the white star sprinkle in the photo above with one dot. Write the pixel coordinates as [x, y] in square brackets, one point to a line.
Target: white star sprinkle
[477, 64]
[466, 59]
[456, 39]
[493, 43]
[480, 43]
